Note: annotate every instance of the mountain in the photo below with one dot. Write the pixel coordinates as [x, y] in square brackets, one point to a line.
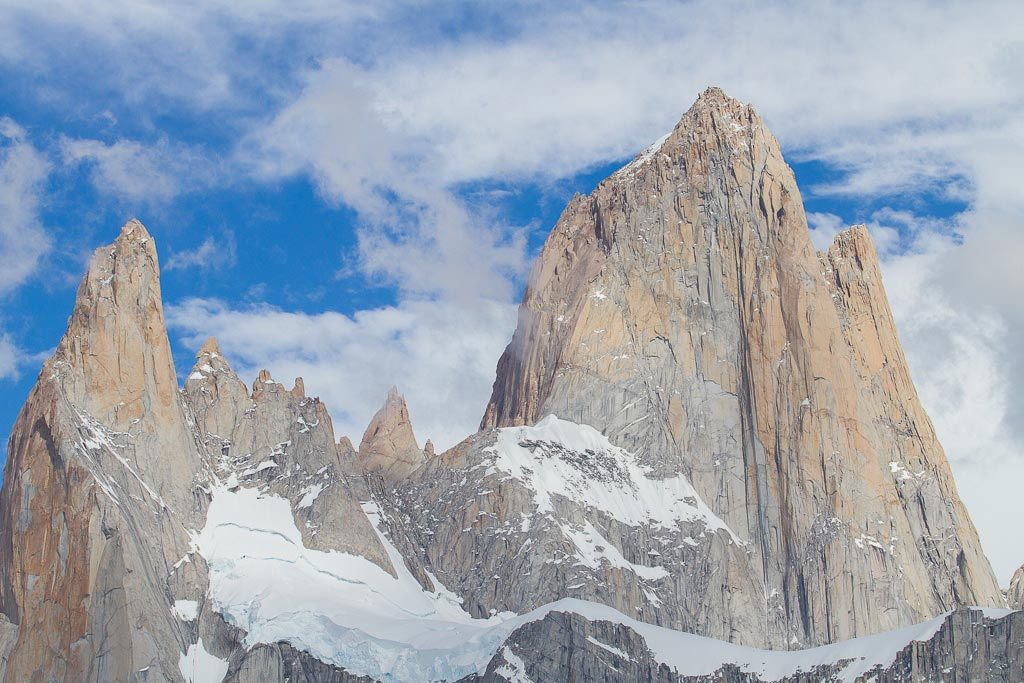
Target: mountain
[681, 310]
[703, 454]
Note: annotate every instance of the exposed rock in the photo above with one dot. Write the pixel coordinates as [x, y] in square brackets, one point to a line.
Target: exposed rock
[1015, 593]
[968, 646]
[282, 662]
[700, 422]
[389, 445]
[681, 310]
[514, 542]
[284, 442]
[99, 488]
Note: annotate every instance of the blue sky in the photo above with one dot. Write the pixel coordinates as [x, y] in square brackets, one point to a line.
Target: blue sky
[355, 194]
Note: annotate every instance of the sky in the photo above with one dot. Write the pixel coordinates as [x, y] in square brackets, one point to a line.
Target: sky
[353, 192]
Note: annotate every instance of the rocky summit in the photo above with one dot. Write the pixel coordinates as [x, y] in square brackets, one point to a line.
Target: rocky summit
[703, 460]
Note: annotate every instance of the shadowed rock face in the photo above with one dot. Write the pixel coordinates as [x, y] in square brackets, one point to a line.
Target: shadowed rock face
[681, 310]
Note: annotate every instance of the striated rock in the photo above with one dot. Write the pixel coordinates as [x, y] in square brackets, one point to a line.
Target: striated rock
[284, 442]
[389, 445]
[99, 488]
[681, 310]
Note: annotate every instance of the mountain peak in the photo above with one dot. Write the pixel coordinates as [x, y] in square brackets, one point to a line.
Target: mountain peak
[116, 338]
[389, 444]
[715, 128]
[713, 96]
[134, 230]
[210, 347]
[680, 307]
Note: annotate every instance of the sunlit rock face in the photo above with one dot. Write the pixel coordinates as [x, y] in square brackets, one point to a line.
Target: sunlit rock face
[681, 310]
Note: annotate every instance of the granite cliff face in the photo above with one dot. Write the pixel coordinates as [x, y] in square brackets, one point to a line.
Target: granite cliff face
[703, 440]
[681, 310]
[93, 513]
[111, 470]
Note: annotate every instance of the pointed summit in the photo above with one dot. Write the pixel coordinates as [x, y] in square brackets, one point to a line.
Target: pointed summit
[389, 445]
[210, 364]
[214, 390]
[116, 338]
[134, 230]
[99, 483]
[210, 347]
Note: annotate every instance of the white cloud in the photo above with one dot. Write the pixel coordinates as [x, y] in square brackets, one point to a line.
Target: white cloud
[442, 356]
[212, 253]
[416, 232]
[150, 52]
[138, 172]
[23, 241]
[12, 358]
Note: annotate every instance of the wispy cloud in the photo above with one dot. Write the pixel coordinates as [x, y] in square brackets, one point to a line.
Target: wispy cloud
[23, 240]
[212, 253]
[150, 173]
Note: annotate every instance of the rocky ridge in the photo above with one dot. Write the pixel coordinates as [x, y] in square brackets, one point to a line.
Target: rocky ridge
[700, 425]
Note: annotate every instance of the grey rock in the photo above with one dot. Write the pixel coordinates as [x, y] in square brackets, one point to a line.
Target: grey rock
[567, 647]
[1015, 593]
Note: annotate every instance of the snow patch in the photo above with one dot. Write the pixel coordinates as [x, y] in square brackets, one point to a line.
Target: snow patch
[199, 666]
[644, 156]
[614, 650]
[592, 548]
[309, 495]
[344, 609]
[341, 608]
[514, 671]
[560, 458]
[186, 610]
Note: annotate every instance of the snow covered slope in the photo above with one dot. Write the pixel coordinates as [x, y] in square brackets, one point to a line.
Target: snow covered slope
[348, 611]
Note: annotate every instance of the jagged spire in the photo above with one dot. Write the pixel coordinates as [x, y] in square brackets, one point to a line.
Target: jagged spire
[389, 444]
[116, 337]
[209, 347]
